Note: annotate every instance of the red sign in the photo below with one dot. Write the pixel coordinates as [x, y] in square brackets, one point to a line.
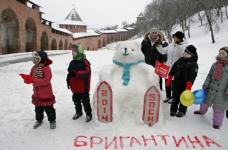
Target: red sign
[151, 106]
[104, 102]
[161, 69]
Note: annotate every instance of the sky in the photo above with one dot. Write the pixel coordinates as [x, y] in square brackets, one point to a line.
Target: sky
[95, 13]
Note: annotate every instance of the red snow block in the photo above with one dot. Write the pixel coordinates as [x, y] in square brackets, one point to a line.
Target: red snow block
[27, 78]
[104, 102]
[151, 106]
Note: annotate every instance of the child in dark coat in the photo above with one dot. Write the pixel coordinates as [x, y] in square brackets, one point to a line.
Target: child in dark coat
[184, 71]
[43, 98]
[78, 80]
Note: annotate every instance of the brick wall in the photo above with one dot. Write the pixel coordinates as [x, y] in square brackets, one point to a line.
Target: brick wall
[24, 13]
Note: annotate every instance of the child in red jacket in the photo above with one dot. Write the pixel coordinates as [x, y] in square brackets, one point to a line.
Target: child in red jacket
[43, 98]
[78, 80]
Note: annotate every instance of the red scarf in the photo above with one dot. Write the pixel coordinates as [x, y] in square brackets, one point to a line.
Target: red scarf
[39, 70]
[219, 66]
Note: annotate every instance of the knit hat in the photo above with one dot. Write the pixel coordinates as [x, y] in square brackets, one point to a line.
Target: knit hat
[43, 55]
[78, 48]
[190, 49]
[179, 35]
[225, 49]
[80, 52]
[154, 30]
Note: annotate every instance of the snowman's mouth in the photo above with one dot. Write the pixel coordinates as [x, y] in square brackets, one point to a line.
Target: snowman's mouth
[125, 52]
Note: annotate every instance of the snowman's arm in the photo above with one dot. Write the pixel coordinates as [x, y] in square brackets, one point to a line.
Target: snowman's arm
[150, 76]
[105, 73]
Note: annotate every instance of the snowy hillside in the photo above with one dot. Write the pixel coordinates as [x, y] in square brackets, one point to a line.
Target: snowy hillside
[17, 113]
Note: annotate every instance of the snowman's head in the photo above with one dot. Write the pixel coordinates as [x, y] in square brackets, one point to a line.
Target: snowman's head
[128, 52]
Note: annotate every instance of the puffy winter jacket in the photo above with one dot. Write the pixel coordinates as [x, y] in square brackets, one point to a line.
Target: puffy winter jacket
[217, 90]
[42, 88]
[173, 51]
[184, 70]
[79, 76]
[151, 53]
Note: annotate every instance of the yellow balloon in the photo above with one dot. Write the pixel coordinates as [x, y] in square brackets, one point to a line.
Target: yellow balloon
[187, 98]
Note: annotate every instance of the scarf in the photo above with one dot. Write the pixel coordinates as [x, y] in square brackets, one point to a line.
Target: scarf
[79, 56]
[39, 72]
[126, 70]
[219, 66]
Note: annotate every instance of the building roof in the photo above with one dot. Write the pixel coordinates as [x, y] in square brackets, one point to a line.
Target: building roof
[33, 3]
[61, 30]
[106, 31]
[85, 34]
[129, 28]
[73, 18]
[121, 30]
[70, 22]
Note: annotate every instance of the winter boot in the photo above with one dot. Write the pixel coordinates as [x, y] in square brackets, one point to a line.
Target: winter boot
[52, 125]
[197, 112]
[215, 127]
[180, 114]
[168, 100]
[37, 124]
[76, 116]
[88, 118]
[172, 113]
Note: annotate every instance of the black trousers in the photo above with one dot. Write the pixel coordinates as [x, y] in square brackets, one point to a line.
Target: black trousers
[176, 105]
[160, 83]
[50, 111]
[82, 99]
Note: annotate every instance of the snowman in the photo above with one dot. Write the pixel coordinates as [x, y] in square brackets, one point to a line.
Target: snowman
[128, 79]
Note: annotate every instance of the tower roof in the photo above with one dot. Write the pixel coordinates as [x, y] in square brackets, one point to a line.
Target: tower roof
[141, 15]
[73, 15]
[73, 18]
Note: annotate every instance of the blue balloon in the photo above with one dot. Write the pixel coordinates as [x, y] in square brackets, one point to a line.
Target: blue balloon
[199, 96]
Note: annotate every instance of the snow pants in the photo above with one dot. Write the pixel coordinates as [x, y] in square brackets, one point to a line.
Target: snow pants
[50, 111]
[80, 99]
[218, 114]
[176, 104]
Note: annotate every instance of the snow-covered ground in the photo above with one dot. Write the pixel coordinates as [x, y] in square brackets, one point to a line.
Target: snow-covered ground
[17, 113]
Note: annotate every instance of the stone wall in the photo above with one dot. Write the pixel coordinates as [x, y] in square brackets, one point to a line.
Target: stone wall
[22, 30]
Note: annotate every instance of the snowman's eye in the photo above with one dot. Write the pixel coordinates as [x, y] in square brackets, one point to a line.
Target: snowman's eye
[132, 50]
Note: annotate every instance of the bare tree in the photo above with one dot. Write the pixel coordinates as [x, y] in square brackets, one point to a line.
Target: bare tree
[208, 6]
[165, 14]
[200, 17]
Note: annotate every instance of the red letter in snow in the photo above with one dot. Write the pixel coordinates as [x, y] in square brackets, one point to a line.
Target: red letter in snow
[81, 143]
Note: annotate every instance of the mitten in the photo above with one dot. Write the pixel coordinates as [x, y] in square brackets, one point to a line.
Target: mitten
[27, 78]
[169, 81]
[188, 85]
